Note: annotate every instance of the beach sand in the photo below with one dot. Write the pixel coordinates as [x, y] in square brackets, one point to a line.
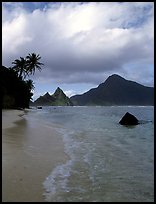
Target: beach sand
[30, 151]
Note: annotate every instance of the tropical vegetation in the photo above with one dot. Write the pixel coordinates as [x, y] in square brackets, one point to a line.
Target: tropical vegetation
[16, 88]
[28, 65]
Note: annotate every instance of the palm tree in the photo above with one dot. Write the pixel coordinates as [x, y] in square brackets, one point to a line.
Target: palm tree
[28, 65]
[32, 61]
[30, 84]
[20, 67]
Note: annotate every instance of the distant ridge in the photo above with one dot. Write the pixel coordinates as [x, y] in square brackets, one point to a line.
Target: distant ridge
[116, 91]
[57, 99]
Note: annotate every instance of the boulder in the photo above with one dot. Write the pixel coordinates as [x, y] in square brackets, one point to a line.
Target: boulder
[129, 119]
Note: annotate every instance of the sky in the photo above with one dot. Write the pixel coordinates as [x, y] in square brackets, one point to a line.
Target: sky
[80, 43]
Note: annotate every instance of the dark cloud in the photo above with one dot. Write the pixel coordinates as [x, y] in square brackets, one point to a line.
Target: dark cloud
[82, 43]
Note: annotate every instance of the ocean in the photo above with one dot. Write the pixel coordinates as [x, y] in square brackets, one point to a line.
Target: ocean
[107, 162]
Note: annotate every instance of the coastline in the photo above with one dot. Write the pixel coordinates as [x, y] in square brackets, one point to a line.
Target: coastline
[30, 151]
[10, 117]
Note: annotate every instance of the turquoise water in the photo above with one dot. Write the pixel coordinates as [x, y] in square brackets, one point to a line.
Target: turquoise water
[108, 162]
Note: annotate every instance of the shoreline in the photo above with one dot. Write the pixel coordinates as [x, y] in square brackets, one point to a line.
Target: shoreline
[30, 151]
[10, 117]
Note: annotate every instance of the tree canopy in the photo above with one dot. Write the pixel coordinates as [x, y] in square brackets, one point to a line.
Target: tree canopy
[16, 92]
[28, 65]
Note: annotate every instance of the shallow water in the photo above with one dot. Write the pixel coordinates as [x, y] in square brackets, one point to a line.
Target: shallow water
[29, 149]
[108, 162]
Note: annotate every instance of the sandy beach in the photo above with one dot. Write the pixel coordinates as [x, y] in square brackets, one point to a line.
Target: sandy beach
[30, 151]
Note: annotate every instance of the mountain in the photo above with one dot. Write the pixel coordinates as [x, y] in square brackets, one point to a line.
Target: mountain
[56, 99]
[116, 91]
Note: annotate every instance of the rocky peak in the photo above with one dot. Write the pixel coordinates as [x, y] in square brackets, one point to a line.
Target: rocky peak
[47, 94]
[58, 92]
[56, 99]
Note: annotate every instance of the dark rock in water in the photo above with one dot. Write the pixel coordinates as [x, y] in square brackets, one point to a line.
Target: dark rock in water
[129, 119]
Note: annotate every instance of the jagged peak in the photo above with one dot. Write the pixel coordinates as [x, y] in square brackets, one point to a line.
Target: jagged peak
[58, 90]
[47, 94]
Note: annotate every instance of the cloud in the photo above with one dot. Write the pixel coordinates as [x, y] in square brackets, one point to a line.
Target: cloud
[81, 42]
[70, 93]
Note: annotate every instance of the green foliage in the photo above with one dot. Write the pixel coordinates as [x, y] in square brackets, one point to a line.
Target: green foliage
[27, 66]
[32, 63]
[56, 99]
[20, 67]
[15, 91]
[8, 101]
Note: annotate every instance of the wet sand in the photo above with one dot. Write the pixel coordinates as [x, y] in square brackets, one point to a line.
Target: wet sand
[30, 151]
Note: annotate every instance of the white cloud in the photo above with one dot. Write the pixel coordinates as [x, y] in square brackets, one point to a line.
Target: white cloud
[70, 93]
[81, 42]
